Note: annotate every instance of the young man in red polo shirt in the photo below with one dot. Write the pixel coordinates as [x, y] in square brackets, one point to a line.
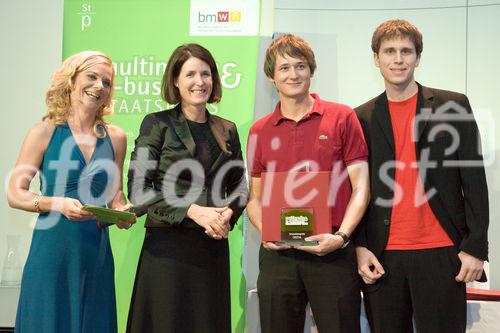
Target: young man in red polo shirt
[327, 135]
[425, 232]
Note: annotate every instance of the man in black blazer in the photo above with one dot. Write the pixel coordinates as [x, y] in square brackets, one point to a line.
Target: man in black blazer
[424, 234]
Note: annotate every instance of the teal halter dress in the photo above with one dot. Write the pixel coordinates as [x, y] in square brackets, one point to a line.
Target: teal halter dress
[68, 280]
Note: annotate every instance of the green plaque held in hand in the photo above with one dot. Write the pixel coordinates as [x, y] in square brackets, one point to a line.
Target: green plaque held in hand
[107, 215]
[296, 225]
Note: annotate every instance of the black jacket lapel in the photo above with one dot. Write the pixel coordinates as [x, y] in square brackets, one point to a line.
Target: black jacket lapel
[182, 129]
[383, 119]
[221, 134]
[424, 113]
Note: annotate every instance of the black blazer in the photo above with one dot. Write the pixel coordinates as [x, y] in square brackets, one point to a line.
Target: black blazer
[460, 202]
[162, 191]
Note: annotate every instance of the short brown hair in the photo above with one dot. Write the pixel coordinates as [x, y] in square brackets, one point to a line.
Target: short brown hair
[169, 91]
[291, 46]
[392, 29]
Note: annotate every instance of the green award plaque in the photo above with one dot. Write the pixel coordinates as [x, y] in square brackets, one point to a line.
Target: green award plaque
[108, 215]
[296, 225]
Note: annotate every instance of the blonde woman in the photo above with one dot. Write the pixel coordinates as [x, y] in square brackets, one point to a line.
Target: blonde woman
[68, 279]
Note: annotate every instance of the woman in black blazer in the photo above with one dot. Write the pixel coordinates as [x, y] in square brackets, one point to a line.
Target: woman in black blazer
[187, 174]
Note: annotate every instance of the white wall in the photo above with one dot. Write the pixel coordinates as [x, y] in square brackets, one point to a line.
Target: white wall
[31, 40]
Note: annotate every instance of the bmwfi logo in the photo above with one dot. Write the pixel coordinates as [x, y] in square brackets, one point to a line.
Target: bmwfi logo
[220, 17]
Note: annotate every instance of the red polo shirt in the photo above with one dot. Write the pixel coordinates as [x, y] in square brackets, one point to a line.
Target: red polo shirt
[329, 137]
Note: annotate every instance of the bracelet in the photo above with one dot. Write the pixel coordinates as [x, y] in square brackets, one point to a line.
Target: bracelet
[344, 238]
[36, 203]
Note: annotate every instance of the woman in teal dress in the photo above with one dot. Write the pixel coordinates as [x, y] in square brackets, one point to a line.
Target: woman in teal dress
[68, 279]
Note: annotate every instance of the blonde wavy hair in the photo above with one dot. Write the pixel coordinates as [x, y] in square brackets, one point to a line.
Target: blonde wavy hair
[58, 98]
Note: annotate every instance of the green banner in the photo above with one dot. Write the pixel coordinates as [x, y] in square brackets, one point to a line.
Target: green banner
[139, 36]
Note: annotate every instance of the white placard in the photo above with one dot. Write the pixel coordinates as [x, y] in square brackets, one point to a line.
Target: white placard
[224, 18]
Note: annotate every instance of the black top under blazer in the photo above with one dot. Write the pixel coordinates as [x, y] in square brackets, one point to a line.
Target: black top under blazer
[165, 139]
[460, 202]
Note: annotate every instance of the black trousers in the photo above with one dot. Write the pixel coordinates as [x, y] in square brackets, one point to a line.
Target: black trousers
[419, 285]
[289, 279]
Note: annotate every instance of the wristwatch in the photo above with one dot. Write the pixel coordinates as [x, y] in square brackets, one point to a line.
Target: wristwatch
[344, 238]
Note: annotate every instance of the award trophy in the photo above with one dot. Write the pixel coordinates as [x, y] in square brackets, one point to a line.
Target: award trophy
[290, 222]
[296, 225]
